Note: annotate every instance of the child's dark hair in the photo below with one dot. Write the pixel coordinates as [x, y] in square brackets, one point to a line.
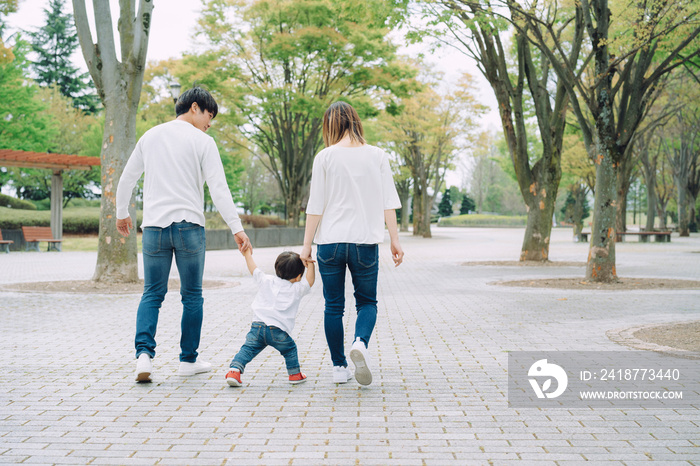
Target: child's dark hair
[289, 265]
[204, 100]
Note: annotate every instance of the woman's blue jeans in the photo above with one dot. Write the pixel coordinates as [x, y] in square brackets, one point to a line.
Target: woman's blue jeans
[260, 337]
[363, 262]
[186, 241]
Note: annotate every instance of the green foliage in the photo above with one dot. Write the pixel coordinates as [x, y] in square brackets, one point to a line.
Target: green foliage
[83, 220]
[488, 221]
[14, 203]
[54, 44]
[468, 205]
[445, 206]
[281, 63]
[24, 126]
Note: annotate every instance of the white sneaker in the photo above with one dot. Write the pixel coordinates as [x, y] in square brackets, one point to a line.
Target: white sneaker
[144, 368]
[360, 357]
[341, 374]
[191, 368]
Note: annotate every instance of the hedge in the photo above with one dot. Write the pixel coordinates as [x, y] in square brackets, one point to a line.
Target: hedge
[486, 221]
[84, 220]
[14, 203]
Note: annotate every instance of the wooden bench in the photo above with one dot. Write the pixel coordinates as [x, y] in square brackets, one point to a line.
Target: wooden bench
[33, 235]
[5, 243]
[659, 236]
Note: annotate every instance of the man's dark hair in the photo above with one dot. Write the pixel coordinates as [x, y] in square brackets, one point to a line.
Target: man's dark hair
[289, 265]
[204, 100]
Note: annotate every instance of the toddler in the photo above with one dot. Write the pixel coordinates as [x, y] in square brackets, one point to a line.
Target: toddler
[275, 308]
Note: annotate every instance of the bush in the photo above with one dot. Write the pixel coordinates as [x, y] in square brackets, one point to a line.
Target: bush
[83, 220]
[14, 203]
[487, 221]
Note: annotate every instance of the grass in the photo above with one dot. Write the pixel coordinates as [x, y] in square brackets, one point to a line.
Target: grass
[86, 243]
[479, 220]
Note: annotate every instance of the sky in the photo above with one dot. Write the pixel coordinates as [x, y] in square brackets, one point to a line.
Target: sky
[173, 26]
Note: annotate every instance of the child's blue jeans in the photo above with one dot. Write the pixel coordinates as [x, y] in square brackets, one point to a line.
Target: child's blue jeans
[261, 336]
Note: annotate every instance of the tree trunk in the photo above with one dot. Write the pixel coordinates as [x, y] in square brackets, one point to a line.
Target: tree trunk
[427, 213]
[540, 201]
[661, 212]
[601, 255]
[418, 210]
[116, 254]
[651, 205]
[578, 210]
[405, 209]
[683, 229]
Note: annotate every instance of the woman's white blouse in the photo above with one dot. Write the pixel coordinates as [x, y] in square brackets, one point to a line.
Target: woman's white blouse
[351, 187]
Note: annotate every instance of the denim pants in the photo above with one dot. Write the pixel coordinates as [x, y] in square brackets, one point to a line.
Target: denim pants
[260, 337]
[187, 242]
[363, 262]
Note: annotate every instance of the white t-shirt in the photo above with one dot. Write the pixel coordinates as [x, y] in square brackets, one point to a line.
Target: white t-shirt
[177, 159]
[351, 187]
[277, 301]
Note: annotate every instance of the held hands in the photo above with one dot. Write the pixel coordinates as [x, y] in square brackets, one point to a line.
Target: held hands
[305, 255]
[124, 226]
[396, 253]
[243, 242]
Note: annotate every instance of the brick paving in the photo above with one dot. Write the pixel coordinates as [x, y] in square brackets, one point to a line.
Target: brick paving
[439, 394]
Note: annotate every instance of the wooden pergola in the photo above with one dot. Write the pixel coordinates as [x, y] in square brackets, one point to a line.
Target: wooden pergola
[56, 163]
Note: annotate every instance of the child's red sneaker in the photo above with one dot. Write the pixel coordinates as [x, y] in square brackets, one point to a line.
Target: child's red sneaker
[233, 378]
[296, 378]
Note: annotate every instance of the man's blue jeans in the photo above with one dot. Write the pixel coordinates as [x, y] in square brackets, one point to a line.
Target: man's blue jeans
[260, 337]
[363, 262]
[187, 242]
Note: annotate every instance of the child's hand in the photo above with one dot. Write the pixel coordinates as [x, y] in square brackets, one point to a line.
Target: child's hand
[247, 252]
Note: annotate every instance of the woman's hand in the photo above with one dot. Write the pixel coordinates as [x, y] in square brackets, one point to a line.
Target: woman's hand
[396, 253]
[306, 255]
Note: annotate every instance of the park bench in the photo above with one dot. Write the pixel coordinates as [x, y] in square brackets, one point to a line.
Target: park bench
[5, 243]
[33, 235]
[659, 236]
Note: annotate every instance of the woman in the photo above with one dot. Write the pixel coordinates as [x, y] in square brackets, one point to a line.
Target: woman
[352, 196]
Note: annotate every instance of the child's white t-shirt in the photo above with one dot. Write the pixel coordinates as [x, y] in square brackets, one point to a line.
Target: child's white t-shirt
[277, 301]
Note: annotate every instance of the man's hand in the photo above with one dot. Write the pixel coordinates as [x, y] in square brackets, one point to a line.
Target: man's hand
[305, 256]
[242, 241]
[396, 253]
[124, 226]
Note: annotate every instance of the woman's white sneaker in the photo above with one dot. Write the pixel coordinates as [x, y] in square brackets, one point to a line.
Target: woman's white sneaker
[341, 374]
[191, 368]
[360, 357]
[144, 368]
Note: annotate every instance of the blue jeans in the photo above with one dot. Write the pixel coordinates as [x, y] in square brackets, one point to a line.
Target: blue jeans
[260, 337]
[363, 262]
[187, 242]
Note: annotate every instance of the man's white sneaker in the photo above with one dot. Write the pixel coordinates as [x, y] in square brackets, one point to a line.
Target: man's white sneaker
[360, 357]
[341, 374]
[144, 368]
[191, 368]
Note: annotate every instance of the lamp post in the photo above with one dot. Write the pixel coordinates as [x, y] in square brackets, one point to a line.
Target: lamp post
[175, 90]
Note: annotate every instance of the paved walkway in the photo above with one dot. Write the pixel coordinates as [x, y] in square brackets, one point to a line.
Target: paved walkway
[439, 395]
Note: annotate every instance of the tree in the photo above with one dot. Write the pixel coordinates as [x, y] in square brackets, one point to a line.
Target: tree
[70, 125]
[650, 40]
[467, 205]
[522, 89]
[427, 132]
[24, 126]
[281, 63]
[54, 44]
[683, 158]
[118, 81]
[445, 206]
[6, 7]
[576, 207]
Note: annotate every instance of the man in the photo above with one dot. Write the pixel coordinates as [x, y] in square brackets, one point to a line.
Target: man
[177, 159]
